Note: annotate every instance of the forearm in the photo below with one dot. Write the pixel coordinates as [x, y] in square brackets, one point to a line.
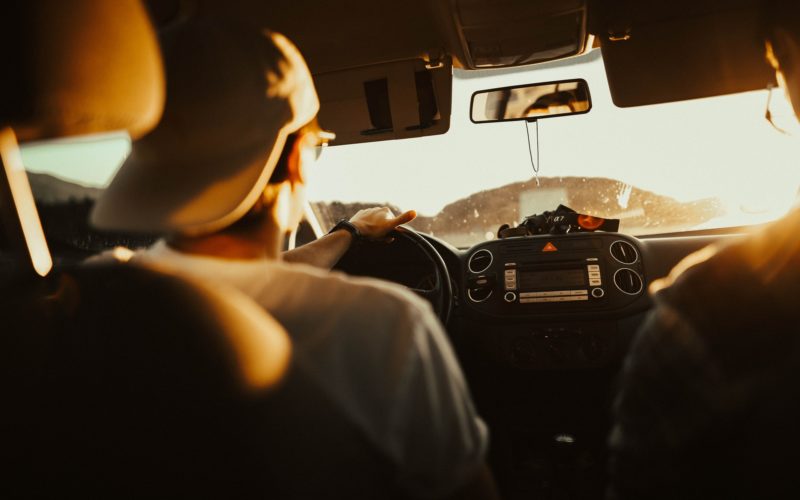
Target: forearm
[324, 252]
[371, 223]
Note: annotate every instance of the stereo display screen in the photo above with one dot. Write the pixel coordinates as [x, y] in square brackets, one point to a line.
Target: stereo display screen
[552, 280]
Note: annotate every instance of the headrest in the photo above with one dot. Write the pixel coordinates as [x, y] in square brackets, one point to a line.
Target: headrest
[79, 67]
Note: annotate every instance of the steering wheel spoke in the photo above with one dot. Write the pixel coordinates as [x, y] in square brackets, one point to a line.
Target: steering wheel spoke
[427, 294]
[437, 290]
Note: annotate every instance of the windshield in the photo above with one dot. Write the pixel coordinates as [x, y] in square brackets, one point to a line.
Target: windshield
[674, 167]
[698, 164]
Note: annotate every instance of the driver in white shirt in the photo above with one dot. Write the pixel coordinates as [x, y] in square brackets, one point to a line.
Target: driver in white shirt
[222, 177]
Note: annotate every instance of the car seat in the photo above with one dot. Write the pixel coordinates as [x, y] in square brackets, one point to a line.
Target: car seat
[123, 381]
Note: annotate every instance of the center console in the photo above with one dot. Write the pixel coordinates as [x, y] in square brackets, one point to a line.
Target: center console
[554, 275]
[554, 302]
[543, 325]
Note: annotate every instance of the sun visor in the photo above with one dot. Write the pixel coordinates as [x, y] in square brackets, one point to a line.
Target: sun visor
[396, 100]
[653, 58]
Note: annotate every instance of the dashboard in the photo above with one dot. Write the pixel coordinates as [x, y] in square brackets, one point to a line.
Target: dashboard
[546, 302]
[563, 274]
[557, 298]
[541, 326]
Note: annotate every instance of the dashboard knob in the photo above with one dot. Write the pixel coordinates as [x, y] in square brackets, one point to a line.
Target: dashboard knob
[598, 293]
[510, 297]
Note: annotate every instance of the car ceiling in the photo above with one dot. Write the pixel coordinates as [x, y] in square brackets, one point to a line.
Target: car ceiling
[352, 33]
[346, 33]
[675, 50]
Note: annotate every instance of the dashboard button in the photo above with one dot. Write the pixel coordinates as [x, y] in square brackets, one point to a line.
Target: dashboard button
[594, 274]
[510, 297]
[593, 267]
[595, 282]
[598, 293]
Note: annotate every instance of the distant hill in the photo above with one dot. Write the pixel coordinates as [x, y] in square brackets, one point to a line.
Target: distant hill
[467, 220]
[50, 189]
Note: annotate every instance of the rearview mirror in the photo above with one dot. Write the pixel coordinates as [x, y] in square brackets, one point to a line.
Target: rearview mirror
[531, 102]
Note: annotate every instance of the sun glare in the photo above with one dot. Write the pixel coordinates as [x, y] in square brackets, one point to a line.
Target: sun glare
[718, 147]
[23, 200]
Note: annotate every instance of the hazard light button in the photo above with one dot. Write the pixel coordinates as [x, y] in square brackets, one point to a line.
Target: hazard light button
[549, 247]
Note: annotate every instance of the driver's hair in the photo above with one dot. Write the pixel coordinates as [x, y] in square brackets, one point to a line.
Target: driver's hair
[281, 172]
[255, 216]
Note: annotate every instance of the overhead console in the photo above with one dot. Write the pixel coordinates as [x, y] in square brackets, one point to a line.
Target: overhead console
[592, 274]
[514, 32]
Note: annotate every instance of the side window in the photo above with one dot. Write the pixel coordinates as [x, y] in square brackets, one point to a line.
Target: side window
[66, 177]
[303, 235]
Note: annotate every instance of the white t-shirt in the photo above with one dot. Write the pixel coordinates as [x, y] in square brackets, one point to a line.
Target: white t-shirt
[375, 348]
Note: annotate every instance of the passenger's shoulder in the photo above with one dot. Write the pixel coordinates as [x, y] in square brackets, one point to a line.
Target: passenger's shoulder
[762, 260]
[746, 284]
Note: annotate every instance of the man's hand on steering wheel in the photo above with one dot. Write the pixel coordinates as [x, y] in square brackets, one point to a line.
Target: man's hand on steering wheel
[376, 223]
[372, 224]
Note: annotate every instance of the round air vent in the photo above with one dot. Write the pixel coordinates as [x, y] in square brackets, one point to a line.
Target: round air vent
[480, 261]
[628, 281]
[478, 295]
[624, 252]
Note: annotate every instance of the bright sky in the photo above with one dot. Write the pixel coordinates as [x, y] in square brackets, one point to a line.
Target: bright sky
[720, 147]
[88, 160]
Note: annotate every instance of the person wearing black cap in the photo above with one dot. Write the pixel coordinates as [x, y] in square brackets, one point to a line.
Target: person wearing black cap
[222, 178]
[709, 399]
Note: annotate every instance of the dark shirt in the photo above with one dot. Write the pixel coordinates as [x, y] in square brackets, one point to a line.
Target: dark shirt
[709, 397]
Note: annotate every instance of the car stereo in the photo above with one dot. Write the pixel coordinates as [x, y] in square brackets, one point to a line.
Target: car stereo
[565, 282]
[552, 273]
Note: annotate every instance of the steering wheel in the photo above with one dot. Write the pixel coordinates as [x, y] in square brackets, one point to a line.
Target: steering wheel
[439, 294]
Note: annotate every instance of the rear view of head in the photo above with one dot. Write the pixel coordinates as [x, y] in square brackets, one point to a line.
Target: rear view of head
[234, 95]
